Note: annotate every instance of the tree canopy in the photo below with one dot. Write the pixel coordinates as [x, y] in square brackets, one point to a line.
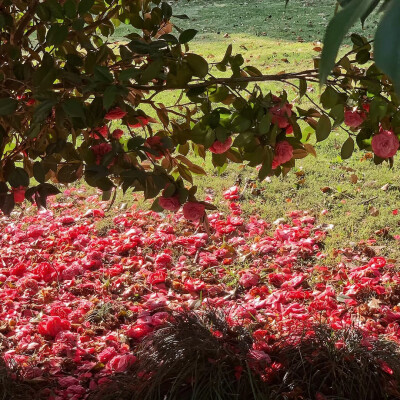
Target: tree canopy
[64, 81]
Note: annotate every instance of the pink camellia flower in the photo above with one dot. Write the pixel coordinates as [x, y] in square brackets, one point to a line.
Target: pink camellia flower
[248, 279]
[115, 113]
[156, 143]
[385, 144]
[281, 115]
[170, 203]
[143, 121]
[75, 391]
[66, 381]
[163, 260]
[193, 211]
[122, 362]
[366, 107]
[107, 354]
[353, 119]
[233, 193]
[259, 355]
[99, 132]
[138, 331]
[283, 153]
[51, 326]
[157, 277]
[100, 150]
[221, 147]
[19, 194]
[117, 134]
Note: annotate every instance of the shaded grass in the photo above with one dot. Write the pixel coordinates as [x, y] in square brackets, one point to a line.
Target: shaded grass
[17, 389]
[300, 20]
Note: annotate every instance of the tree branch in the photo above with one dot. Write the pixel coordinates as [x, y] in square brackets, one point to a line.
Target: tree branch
[310, 75]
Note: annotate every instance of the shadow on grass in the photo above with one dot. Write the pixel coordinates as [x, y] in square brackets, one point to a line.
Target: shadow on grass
[16, 389]
[200, 356]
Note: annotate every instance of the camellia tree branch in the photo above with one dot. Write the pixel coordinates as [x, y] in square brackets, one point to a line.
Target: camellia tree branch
[63, 83]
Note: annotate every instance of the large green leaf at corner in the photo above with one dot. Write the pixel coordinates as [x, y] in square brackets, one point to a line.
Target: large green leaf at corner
[387, 43]
[335, 32]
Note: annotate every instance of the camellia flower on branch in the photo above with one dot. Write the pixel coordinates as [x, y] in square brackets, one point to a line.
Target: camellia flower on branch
[99, 132]
[385, 144]
[354, 119]
[19, 194]
[170, 203]
[100, 150]
[283, 153]
[221, 147]
[115, 113]
[143, 121]
[156, 143]
[117, 134]
[281, 113]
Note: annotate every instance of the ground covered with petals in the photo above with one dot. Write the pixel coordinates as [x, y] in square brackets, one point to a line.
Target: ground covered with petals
[77, 301]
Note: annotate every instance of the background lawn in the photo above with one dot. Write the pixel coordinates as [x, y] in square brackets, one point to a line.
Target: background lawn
[274, 38]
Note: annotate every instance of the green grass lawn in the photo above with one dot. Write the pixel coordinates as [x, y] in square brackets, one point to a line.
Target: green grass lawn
[274, 38]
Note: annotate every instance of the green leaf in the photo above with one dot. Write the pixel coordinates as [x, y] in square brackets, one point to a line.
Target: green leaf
[218, 95]
[166, 10]
[70, 9]
[242, 139]
[129, 74]
[181, 16]
[85, 6]
[198, 65]
[39, 172]
[252, 71]
[187, 36]
[18, 177]
[7, 106]
[7, 204]
[323, 129]
[266, 167]
[369, 11]
[347, 149]
[55, 8]
[241, 123]
[45, 76]
[74, 108]
[387, 44]
[68, 173]
[336, 31]
[57, 34]
[329, 98]
[337, 114]
[109, 97]
[102, 74]
[152, 71]
[265, 124]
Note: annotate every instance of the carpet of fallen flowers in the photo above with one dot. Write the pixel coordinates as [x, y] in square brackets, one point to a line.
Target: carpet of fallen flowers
[76, 299]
